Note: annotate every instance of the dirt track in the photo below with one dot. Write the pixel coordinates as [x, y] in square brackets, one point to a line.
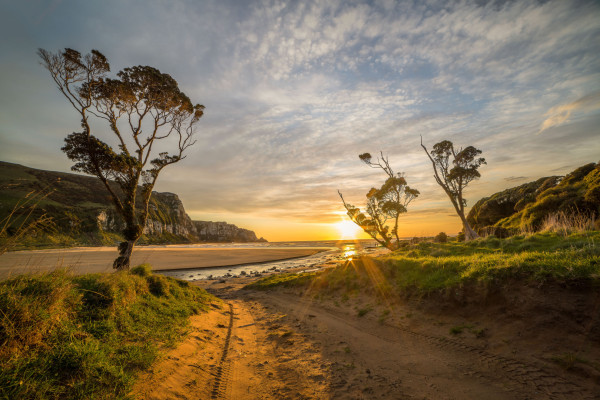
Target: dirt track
[284, 346]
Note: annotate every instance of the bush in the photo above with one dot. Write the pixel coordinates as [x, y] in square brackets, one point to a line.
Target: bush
[441, 237]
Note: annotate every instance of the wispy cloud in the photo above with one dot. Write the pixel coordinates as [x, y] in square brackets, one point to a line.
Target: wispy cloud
[560, 115]
[296, 90]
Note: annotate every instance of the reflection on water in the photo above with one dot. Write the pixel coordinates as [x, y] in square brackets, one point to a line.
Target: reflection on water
[334, 252]
[349, 252]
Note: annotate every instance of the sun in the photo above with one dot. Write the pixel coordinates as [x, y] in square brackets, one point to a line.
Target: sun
[347, 229]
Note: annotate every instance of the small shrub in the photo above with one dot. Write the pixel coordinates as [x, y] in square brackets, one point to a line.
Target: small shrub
[441, 237]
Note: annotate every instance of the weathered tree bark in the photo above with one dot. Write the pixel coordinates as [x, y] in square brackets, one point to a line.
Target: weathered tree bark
[124, 260]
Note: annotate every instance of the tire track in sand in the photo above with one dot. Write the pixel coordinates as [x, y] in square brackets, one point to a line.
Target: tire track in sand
[222, 370]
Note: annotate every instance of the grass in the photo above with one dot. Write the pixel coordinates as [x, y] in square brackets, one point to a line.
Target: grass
[87, 336]
[363, 311]
[428, 267]
[285, 280]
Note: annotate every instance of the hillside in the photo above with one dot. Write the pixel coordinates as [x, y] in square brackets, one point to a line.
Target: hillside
[82, 212]
[525, 207]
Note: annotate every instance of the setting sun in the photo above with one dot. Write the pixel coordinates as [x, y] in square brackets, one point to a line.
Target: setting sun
[347, 229]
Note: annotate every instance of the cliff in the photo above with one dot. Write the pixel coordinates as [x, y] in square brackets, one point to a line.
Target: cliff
[82, 213]
[223, 232]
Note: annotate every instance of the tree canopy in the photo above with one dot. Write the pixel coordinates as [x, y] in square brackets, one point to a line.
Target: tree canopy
[384, 204]
[453, 171]
[150, 118]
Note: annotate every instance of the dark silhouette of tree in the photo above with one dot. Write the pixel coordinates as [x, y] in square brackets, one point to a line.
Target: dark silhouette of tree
[144, 109]
[453, 175]
[383, 204]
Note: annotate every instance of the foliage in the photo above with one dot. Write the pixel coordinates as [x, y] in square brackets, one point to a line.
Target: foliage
[489, 210]
[383, 204]
[441, 237]
[143, 108]
[529, 207]
[454, 175]
[83, 337]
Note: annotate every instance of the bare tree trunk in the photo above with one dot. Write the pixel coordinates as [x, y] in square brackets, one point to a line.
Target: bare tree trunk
[470, 234]
[125, 249]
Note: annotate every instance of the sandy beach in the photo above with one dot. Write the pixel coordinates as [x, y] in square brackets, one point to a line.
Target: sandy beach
[100, 259]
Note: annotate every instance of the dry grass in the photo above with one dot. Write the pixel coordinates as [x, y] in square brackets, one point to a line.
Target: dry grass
[566, 223]
[20, 223]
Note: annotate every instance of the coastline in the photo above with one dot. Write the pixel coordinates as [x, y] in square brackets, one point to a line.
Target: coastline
[97, 260]
[242, 264]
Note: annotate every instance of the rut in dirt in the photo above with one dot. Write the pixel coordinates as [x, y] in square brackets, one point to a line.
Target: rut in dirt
[223, 369]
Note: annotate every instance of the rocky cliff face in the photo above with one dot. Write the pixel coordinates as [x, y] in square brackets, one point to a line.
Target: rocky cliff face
[168, 217]
[223, 232]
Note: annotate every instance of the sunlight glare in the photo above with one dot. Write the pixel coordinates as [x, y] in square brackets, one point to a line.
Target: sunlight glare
[347, 229]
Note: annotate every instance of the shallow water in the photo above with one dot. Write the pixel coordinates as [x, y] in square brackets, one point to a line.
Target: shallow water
[333, 251]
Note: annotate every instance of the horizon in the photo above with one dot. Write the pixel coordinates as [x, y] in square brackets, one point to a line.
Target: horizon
[294, 92]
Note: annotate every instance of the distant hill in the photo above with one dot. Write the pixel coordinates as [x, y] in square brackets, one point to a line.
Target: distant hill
[526, 206]
[82, 212]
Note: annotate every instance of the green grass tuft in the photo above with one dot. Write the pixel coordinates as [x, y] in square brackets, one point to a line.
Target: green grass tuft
[76, 337]
[286, 280]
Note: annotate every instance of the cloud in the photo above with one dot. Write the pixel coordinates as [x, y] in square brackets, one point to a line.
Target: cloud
[560, 115]
[515, 178]
[294, 91]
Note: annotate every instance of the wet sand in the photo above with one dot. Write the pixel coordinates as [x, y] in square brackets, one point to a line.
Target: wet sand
[100, 259]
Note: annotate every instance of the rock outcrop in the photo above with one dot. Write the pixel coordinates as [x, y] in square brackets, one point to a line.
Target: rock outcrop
[223, 232]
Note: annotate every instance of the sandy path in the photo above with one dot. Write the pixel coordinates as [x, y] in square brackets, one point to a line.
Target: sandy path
[372, 360]
[284, 346]
[92, 260]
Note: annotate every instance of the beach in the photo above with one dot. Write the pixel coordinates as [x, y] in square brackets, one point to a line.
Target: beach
[100, 259]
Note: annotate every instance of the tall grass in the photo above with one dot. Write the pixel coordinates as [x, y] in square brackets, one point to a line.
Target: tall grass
[86, 337]
[565, 223]
[21, 220]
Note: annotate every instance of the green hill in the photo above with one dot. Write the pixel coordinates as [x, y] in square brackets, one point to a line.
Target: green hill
[527, 206]
[82, 213]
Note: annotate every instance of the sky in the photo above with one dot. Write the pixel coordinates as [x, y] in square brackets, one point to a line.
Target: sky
[294, 91]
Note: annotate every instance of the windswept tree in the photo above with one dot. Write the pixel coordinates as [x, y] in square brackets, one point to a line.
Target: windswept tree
[453, 170]
[384, 205]
[148, 117]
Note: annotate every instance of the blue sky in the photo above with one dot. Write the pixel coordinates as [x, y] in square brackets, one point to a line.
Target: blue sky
[295, 90]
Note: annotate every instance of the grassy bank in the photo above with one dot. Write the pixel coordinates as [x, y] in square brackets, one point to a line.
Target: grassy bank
[429, 267]
[87, 336]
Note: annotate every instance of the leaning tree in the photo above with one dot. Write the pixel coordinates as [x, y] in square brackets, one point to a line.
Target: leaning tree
[145, 111]
[383, 204]
[453, 175]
